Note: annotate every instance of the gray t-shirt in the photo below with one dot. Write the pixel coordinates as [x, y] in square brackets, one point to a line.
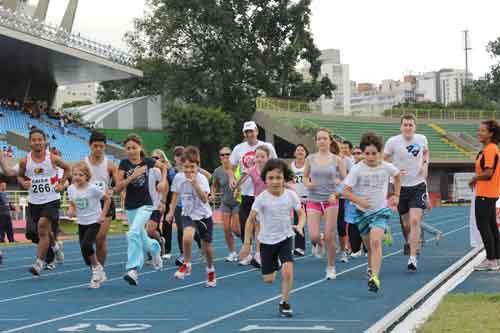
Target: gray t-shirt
[275, 215]
[221, 177]
[371, 183]
[323, 177]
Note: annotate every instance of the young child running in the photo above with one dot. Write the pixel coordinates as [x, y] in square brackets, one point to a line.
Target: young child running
[192, 188]
[297, 167]
[133, 176]
[367, 186]
[274, 207]
[85, 203]
[322, 171]
[262, 154]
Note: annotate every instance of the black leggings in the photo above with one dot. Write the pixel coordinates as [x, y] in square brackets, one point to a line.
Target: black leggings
[486, 220]
[6, 228]
[245, 208]
[87, 235]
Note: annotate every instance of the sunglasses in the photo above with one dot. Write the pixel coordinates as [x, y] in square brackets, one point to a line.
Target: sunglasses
[224, 154]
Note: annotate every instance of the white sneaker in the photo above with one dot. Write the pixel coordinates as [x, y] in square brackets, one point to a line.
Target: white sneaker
[344, 257]
[358, 254]
[232, 257]
[157, 262]
[167, 256]
[318, 251]
[331, 274]
[211, 279]
[412, 264]
[104, 277]
[37, 267]
[58, 251]
[246, 261]
[132, 277]
[95, 281]
[257, 258]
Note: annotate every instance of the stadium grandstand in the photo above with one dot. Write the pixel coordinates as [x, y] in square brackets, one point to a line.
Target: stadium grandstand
[453, 142]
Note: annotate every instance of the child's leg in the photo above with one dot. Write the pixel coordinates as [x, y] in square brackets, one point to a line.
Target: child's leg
[287, 283]
[87, 235]
[313, 225]
[209, 252]
[187, 243]
[375, 251]
[366, 242]
[330, 238]
[228, 234]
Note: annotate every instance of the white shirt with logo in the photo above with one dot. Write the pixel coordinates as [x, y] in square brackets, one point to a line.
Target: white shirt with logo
[87, 202]
[192, 205]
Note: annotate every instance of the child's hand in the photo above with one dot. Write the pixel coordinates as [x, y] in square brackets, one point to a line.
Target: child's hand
[101, 219]
[364, 203]
[169, 218]
[236, 193]
[393, 202]
[59, 187]
[299, 229]
[333, 199]
[310, 186]
[245, 251]
[26, 184]
[138, 172]
[71, 212]
[337, 182]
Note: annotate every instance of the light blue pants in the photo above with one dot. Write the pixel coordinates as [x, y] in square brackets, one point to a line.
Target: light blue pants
[137, 238]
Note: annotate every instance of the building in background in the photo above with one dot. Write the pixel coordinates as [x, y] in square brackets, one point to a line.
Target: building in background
[338, 73]
[76, 93]
[444, 86]
[366, 87]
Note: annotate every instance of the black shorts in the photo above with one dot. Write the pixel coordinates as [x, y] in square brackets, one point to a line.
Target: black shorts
[112, 209]
[155, 216]
[48, 210]
[412, 197]
[270, 253]
[341, 223]
[203, 227]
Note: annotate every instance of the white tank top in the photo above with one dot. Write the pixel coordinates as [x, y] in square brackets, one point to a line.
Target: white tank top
[100, 173]
[43, 180]
[299, 180]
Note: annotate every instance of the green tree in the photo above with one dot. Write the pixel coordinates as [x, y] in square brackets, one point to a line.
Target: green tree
[489, 85]
[206, 128]
[224, 53]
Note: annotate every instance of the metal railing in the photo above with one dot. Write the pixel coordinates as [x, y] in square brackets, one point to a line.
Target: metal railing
[444, 114]
[276, 104]
[26, 24]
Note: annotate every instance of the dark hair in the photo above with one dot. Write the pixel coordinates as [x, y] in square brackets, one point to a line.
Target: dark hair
[276, 163]
[264, 149]
[97, 137]
[36, 130]
[137, 139]
[371, 139]
[357, 147]
[349, 143]
[334, 147]
[408, 116]
[191, 154]
[300, 145]
[494, 129]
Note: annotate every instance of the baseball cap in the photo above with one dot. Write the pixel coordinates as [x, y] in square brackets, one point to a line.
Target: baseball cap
[249, 126]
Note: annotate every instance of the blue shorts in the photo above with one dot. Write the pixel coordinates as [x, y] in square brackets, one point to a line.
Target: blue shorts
[368, 221]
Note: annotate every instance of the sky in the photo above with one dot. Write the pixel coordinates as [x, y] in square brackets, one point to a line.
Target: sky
[379, 40]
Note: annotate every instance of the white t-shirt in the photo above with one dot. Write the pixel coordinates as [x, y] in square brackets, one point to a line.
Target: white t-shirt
[371, 183]
[275, 215]
[154, 178]
[298, 180]
[408, 155]
[244, 155]
[192, 205]
[87, 202]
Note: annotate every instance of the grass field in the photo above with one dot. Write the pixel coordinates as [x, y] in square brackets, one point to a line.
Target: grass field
[152, 139]
[71, 229]
[465, 313]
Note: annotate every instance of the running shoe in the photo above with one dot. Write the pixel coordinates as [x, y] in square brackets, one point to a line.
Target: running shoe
[331, 274]
[58, 252]
[232, 257]
[183, 271]
[368, 273]
[162, 245]
[179, 261]
[412, 264]
[356, 255]
[285, 309]
[50, 266]
[246, 261]
[256, 260]
[211, 279]
[37, 268]
[132, 277]
[167, 256]
[157, 262]
[343, 257]
[298, 252]
[97, 277]
[373, 284]
[488, 265]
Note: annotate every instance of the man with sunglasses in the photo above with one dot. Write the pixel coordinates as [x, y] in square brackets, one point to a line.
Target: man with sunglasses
[243, 155]
[410, 154]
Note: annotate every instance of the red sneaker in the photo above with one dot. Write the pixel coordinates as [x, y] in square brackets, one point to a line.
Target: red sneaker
[184, 270]
[211, 279]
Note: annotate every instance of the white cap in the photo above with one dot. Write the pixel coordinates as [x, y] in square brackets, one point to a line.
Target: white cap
[249, 126]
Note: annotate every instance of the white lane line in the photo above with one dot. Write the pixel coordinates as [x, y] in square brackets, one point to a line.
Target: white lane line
[134, 319]
[305, 320]
[250, 307]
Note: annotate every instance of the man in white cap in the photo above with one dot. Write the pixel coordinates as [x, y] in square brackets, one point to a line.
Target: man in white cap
[243, 155]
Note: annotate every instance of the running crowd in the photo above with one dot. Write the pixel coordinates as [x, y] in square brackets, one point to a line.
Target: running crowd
[339, 191]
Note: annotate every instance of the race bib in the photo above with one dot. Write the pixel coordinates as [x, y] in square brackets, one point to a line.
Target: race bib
[41, 185]
[82, 203]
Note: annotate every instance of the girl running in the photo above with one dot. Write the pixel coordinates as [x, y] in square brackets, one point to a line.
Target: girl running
[229, 207]
[85, 203]
[192, 188]
[297, 167]
[133, 176]
[274, 207]
[322, 171]
[367, 186]
[262, 154]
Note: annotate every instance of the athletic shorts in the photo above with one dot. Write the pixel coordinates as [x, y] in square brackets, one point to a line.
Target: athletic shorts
[48, 210]
[271, 253]
[155, 216]
[341, 224]
[368, 221]
[229, 209]
[412, 197]
[320, 207]
[112, 209]
[204, 227]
